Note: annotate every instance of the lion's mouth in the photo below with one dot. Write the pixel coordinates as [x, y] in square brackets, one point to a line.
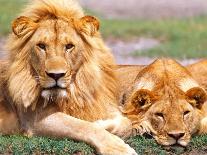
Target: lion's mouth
[56, 87]
[54, 93]
[177, 143]
[164, 142]
[172, 142]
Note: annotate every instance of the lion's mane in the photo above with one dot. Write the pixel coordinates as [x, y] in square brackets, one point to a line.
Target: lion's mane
[93, 88]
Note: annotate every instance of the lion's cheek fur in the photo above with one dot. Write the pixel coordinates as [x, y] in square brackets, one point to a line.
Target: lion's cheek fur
[23, 87]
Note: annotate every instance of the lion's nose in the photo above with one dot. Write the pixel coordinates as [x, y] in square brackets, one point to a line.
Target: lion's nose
[55, 76]
[176, 135]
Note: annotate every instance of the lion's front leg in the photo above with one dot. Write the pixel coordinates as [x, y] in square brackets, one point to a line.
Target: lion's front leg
[62, 125]
[119, 125]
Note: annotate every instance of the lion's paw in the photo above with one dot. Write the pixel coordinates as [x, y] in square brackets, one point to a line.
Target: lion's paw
[120, 126]
[116, 146]
[141, 129]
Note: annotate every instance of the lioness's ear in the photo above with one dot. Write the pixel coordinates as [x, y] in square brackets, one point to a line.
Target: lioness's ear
[88, 25]
[23, 25]
[196, 96]
[143, 99]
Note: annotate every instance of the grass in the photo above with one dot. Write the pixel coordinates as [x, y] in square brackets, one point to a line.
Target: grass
[40, 145]
[181, 38]
[8, 11]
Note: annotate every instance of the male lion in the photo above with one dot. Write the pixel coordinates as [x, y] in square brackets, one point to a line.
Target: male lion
[60, 78]
[166, 102]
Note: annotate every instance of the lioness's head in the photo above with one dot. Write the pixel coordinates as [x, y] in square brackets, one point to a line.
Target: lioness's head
[166, 103]
[53, 44]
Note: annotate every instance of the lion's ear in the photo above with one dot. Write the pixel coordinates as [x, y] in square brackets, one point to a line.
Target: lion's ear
[88, 25]
[196, 96]
[143, 99]
[23, 25]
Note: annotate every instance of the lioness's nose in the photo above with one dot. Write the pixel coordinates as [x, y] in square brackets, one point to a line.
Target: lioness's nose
[176, 135]
[55, 76]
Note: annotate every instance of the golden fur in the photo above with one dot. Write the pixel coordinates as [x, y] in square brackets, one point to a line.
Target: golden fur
[199, 72]
[166, 102]
[59, 65]
[91, 55]
[126, 76]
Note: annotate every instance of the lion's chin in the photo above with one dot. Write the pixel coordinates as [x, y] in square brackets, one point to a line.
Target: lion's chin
[170, 142]
[183, 142]
[54, 94]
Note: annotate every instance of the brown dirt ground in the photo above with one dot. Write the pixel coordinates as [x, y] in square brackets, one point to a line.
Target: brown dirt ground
[147, 8]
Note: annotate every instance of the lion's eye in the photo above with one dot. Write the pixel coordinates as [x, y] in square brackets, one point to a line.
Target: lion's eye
[69, 46]
[159, 114]
[42, 46]
[186, 112]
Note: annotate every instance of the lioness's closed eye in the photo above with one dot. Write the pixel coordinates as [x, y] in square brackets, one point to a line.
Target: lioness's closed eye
[166, 102]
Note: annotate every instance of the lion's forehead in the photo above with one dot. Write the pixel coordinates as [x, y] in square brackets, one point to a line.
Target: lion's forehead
[171, 107]
[45, 32]
[55, 30]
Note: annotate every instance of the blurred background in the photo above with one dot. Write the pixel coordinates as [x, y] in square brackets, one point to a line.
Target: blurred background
[138, 31]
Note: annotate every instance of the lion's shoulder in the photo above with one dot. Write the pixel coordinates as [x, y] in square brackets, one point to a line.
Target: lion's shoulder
[126, 75]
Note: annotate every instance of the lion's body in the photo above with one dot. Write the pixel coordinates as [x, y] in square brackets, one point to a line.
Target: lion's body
[199, 72]
[60, 78]
[9, 122]
[127, 75]
[161, 102]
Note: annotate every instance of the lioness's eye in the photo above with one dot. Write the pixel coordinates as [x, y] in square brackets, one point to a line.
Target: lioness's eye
[42, 46]
[159, 114]
[69, 46]
[186, 112]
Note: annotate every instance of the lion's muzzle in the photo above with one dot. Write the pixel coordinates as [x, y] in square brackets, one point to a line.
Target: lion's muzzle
[56, 70]
[56, 76]
[57, 80]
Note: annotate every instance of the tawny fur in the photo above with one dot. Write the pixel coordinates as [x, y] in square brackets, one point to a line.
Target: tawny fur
[173, 94]
[199, 72]
[90, 95]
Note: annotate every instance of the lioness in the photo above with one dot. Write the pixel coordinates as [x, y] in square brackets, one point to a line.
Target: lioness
[165, 102]
[60, 78]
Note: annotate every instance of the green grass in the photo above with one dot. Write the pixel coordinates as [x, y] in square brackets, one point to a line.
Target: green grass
[8, 11]
[182, 38]
[40, 145]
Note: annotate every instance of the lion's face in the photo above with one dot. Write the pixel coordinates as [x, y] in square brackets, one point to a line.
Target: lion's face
[173, 121]
[167, 107]
[57, 50]
[170, 119]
